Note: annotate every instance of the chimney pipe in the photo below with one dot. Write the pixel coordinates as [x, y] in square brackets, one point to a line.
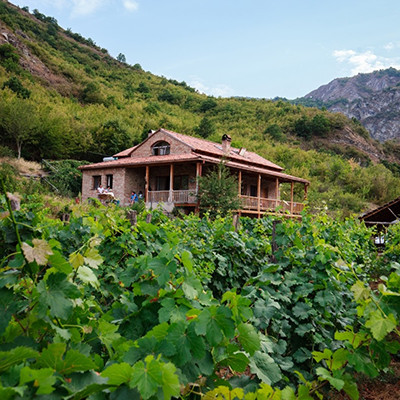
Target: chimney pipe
[226, 143]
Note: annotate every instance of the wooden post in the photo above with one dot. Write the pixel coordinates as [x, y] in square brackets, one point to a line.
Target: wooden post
[132, 216]
[240, 183]
[198, 174]
[305, 191]
[276, 192]
[171, 183]
[259, 195]
[146, 185]
[291, 197]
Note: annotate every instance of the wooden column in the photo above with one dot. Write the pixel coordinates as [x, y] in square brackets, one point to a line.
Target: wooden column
[276, 192]
[291, 197]
[240, 183]
[146, 185]
[305, 191]
[259, 195]
[198, 174]
[171, 183]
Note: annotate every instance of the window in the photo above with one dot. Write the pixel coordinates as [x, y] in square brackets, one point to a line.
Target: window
[96, 181]
[109, 179]
[253, 190]
[181, 182]
[161, 149]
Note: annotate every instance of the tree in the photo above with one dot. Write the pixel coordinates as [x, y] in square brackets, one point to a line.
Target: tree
[121, 58]
[206, 128]
[218, 192]
[16, 86]
[18, 121]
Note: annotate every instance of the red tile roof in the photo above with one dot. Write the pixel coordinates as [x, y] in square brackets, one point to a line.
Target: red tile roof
[202, 150]
[141, 161]
[215, 149]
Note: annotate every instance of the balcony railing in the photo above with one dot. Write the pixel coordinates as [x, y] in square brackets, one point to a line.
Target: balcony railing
[174, 196]
[254, 204]
[248, 203]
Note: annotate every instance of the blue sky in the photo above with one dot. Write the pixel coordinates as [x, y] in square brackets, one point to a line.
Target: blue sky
[255, 48]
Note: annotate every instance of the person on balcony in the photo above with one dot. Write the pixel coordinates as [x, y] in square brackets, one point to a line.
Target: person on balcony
[134, 198]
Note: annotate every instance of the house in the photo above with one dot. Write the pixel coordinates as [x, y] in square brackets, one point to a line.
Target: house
[166, 165]
[381, 218]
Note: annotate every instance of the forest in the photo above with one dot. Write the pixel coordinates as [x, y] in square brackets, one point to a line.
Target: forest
[62, 97]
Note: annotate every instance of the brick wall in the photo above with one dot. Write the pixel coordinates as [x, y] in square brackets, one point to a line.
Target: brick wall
[177, 147]
[118, 174]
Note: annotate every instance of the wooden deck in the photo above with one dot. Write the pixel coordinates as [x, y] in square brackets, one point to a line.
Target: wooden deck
[250, 205]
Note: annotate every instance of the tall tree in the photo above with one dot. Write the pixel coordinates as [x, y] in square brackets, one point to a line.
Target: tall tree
[18, 121]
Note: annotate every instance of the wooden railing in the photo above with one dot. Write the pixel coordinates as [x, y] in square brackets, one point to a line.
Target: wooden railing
[174, 196]
[251, 203]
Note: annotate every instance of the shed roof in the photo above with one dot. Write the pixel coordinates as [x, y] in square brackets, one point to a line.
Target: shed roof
[384, 215]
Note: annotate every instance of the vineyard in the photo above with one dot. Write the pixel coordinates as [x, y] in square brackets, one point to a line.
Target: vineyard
[95, 307]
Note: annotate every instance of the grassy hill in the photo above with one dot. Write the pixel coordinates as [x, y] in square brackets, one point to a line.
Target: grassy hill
[62, 96]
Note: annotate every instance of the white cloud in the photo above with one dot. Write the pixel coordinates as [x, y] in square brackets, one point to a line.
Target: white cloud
[389, 46]
[364, 62]
[218, 90]
[131, 5]
[85, 7]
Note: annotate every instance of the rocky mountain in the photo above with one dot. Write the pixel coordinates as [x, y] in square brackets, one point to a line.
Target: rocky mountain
[373, 99]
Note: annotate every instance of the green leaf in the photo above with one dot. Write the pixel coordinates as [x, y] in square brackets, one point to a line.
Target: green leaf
[40, 251]
[288, 393]
[325, 355]
[107, 333]
[265, 368]
[380, 325]
[360, 291]
[76, 260]
[58, 294]
[43, 378]
[147, 377]
[74, 361]
[86, 275]
[187, 261]
[248, 338]
[237, 362]
[118, 374]
[15, 356]
[324, 374]
[191, 287]
[8, 306]
[302, 310]
[170, 381]
[57, 261]
[303, 329]
[93, 258]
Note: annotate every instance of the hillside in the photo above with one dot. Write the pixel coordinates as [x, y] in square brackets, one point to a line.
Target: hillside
[62, 96]
[373, 99]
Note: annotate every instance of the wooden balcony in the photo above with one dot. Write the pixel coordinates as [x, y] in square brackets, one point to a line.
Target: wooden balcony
[173, 196]
[262, 205]
[249, 204]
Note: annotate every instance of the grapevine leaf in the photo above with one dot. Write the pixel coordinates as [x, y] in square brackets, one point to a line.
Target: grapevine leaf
[288, 393]
[380, 326]
[58, 262]
[324, 374]
[15, 356]
[118, 374]
[265, 368]
[8, 307]
[248, 338]
[43, 378]
[86, 275]
[52, 356]
[147, 377]
[351, 389]
[170, 381]
[302, 310]
[191, 287]
[360, 291]
[237, 362]
[76, 260]
[40, 251]
[302, 330]
[93, 258]
[74, 361]
[187, 260]
[58, 294]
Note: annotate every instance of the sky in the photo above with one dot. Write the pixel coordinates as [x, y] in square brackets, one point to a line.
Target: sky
[249, 48]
